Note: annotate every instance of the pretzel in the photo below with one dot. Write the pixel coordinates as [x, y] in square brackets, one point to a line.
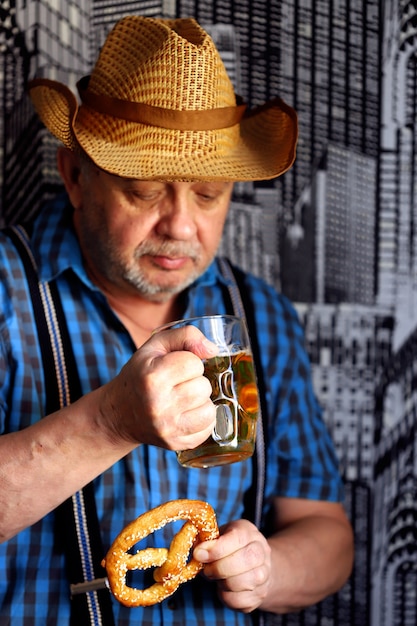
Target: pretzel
[173, 565]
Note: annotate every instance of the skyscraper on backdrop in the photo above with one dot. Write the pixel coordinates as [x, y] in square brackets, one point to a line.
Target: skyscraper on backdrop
[330, 73]
[50, 43]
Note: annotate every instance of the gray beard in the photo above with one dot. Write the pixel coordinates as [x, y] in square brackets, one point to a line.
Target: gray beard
[154, 292]
[111, 265]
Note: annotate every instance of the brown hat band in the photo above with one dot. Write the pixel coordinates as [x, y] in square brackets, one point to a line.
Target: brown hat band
[208, 119]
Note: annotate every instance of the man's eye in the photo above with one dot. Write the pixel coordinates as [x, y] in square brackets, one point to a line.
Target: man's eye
[210, 193]
[145, 196]
[207, 198]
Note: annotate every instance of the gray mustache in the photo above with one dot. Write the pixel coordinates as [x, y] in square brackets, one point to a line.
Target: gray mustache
[167, 249]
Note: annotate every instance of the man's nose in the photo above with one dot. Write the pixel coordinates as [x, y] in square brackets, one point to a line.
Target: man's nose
[177, 220]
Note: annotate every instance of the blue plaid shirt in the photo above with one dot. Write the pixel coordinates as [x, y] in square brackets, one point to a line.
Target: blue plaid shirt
[301, 461]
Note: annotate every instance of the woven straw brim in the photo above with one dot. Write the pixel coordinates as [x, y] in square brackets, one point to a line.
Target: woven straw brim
[262, 147]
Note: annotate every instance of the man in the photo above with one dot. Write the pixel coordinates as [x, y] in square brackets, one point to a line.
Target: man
[148, 162]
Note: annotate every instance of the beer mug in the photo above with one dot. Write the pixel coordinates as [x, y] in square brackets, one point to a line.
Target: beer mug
[234, 392]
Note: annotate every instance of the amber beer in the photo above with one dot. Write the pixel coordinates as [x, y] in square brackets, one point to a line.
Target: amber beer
[235, 395]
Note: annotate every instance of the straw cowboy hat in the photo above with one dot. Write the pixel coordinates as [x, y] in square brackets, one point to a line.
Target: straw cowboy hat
[159, 105]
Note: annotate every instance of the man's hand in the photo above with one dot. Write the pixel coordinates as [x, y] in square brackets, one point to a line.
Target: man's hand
[160, 396]
[240, 561]
[308, 557]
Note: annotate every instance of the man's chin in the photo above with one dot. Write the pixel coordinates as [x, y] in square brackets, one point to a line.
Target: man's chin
[160, 297]
[163, 293]
[162, 286]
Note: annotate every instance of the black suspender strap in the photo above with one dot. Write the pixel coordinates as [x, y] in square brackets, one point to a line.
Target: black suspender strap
[243, 307]
[19, 236]
[77, 525]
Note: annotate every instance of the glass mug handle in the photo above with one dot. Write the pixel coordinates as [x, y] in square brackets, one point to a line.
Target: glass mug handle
[225, 432]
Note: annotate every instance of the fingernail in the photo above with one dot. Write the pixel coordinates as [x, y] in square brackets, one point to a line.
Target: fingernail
[200, 555]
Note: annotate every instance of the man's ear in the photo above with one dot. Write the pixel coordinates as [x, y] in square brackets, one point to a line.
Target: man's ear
[69, 169]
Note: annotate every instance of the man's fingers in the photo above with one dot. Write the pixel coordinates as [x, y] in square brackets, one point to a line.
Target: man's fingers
[188, 338]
